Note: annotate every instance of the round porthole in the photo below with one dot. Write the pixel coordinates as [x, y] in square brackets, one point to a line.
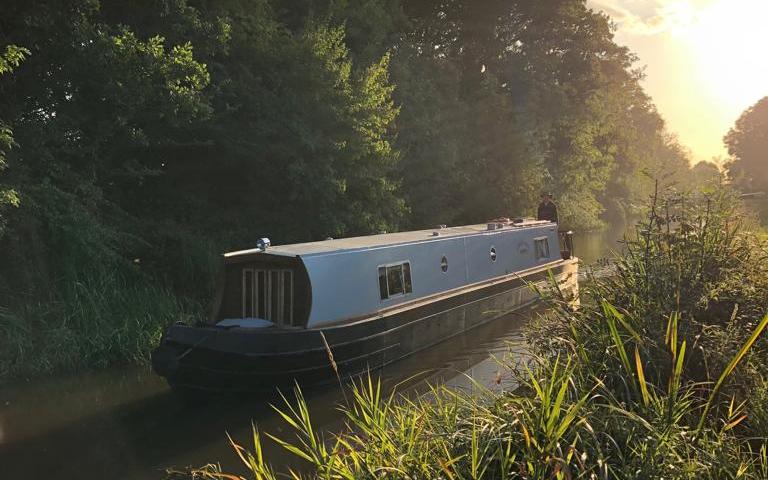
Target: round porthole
[444, 264]
[493, 254]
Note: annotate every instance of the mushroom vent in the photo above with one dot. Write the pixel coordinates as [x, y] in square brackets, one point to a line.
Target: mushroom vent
[263, 244]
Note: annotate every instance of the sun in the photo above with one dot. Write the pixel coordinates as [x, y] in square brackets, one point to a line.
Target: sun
[727, 41]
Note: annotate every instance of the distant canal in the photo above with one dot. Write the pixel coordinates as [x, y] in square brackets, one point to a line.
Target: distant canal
[127, 424]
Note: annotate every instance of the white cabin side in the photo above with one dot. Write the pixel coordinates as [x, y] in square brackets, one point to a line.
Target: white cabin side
[345, 283]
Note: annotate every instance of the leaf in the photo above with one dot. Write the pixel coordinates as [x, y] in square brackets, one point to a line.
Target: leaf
[729, 369]
[641, 378]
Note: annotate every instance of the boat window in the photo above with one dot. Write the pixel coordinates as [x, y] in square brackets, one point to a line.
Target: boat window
[268, 295]
[444, 264]
[407, 277]
[383, 283]
[542, 248]
[493, 254]
[395, 280]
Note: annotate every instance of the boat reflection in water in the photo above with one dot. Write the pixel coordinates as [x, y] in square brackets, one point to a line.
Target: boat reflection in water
[365, 301]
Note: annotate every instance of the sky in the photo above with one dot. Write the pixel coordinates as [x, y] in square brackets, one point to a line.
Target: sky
[705, 62]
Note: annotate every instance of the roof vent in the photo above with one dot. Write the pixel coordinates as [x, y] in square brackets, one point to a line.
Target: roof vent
[498, 223]
[263, 244]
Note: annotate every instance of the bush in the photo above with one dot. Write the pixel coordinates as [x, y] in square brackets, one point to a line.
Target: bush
[96, 321]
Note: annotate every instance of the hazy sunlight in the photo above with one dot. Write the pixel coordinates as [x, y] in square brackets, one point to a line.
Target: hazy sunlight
[705, 61]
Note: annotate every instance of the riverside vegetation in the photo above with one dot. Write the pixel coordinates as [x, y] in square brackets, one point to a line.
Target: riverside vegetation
[139, 141]
[660, 373]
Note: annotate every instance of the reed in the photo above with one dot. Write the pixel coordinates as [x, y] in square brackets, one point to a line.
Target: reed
[95, 321]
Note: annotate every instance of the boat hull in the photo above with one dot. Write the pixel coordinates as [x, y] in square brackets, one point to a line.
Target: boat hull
[238, 359]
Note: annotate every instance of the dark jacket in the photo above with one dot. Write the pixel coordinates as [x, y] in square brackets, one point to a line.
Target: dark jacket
[548, 211]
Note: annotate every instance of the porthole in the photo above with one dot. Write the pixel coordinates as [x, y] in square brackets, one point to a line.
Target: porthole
[493, 254]
[444, 264]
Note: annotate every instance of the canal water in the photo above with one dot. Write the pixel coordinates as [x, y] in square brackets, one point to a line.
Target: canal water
[127, 424]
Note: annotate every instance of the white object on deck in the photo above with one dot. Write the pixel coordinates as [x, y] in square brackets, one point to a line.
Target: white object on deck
[245, 323]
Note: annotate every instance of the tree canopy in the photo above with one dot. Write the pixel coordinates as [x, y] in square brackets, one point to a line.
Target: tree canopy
[747, 144]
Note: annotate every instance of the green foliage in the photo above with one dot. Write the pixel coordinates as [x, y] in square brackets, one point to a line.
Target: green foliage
[706, 174]
[92, 322]
[10, 59]
[88, 108]
[747, 144]
[692, 260]
[504, 99]
[629, 401]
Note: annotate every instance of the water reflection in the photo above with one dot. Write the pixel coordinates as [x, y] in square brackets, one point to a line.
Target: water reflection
[594, 246]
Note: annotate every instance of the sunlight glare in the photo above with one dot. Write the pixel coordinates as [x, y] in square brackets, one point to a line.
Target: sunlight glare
[727, 41]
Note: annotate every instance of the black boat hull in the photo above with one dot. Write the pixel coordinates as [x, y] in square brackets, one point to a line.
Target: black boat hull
[215, 358]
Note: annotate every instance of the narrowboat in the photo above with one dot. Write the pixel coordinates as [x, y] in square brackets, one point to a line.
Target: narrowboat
[309, 311]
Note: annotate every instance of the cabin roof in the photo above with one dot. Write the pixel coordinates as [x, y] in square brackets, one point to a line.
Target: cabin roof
[380, 240]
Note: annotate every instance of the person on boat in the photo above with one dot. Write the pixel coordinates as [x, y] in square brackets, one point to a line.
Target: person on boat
[547, 208]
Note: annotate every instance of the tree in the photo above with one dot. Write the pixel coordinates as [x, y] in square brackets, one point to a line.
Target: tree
[299, 142]
[9, 197]
[575, 121]
[705, 173]
[747, 144]
[89, 109]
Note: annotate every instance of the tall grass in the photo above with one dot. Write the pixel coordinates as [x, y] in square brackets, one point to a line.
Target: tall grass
[98, 320]
[659, 374]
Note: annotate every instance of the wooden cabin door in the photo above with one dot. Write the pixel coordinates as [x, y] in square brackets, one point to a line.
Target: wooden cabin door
[268, 294]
